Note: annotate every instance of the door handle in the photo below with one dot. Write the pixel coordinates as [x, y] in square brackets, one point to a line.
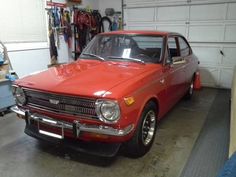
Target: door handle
[222, 53]
[162, 81]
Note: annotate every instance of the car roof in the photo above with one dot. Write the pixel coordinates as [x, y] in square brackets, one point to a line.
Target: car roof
[142, 32]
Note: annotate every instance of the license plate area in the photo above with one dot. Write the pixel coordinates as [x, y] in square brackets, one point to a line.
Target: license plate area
[54, 124]
[51, 127]
[51, 134]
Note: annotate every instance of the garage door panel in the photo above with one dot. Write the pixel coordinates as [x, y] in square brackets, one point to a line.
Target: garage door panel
[172, 13]
[138, 1]
[230, 33]
[205, 33]
[231, 14]
[209, 76]
[229, 58]
[207, 12]
[141, 15]
[226, 75]
[208, 55]
[141, 27]
[209, 26]
[173, 28]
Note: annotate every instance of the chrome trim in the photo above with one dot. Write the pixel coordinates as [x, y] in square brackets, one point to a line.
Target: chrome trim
[18, 110]
[49, 121]
[63, 113]
[98, 105]
[14, 94]
[51, 134]
[67, 104]
[100, 129]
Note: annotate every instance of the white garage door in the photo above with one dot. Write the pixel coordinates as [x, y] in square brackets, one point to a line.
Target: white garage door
[209, 26]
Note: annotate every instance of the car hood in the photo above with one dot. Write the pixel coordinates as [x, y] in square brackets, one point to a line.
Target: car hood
[84, 77]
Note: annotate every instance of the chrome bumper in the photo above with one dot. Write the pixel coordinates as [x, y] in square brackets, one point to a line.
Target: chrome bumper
[76, 127]
[18, 111]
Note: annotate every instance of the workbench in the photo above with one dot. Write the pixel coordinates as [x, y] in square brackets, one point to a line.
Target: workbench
[6, 97]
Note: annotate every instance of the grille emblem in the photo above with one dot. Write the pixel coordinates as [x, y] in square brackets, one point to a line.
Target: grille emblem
[54, 101]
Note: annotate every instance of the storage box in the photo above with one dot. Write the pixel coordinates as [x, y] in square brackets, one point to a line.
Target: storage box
[4, 70]
[6, 97]
[1, 58]
[4, 67]
[3, 74]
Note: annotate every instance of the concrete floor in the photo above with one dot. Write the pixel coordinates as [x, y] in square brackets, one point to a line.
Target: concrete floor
[23, 156]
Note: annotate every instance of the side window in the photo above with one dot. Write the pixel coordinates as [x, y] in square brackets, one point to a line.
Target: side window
[173, 49]
[184, 48]
[150, 46]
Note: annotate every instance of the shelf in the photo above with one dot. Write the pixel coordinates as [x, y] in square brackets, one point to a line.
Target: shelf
[3, 80]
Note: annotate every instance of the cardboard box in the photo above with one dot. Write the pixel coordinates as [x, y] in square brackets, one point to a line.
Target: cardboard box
[4, 67]
[3, 74]
[4, 70]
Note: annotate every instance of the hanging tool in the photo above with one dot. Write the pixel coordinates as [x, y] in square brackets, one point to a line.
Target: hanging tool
[53, 48]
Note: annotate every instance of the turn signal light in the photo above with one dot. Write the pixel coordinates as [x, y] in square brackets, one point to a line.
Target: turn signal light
[129, 101]
[99, 136]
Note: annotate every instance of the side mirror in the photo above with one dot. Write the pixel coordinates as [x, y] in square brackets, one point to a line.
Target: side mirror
[178, 60]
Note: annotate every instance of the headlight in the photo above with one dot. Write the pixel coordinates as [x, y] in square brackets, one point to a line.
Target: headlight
[19, 95]
[108, 111]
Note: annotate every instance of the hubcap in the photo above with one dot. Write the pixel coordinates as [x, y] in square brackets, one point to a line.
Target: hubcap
[148, 128]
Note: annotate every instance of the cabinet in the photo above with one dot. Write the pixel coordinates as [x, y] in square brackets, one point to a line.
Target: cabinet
[6, 97]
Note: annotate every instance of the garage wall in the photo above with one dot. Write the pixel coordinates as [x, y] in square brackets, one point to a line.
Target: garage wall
[30, 57]
[22, 27]
[209, 25]
[103, 4]
[92, 3]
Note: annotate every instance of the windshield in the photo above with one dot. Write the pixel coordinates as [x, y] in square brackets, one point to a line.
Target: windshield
[138, 48]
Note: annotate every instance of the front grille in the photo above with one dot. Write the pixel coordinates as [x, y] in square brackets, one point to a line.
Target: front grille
[60, 103]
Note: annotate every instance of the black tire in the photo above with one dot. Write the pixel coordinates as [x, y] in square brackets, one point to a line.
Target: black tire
[189, 94]
[138, 146]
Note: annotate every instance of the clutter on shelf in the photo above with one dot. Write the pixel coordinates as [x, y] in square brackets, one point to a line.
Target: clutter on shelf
[1, 55]
[6, 78]
[86, 25]
[6, 72]
[112, 21]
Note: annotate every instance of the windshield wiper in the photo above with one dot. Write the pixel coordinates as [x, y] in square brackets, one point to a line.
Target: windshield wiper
[93, 55]
[127, 58]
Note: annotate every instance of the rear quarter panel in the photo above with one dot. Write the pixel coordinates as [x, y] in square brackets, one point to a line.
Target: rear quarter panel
[191, 67]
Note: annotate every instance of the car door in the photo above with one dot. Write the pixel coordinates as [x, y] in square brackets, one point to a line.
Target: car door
[186, 54]
[175, 73]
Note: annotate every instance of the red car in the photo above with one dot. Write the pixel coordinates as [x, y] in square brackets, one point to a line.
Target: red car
[115, 94]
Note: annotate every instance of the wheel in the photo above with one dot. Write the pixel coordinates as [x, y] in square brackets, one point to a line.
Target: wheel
[144, 135]
[189, 94]
[2, 113]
